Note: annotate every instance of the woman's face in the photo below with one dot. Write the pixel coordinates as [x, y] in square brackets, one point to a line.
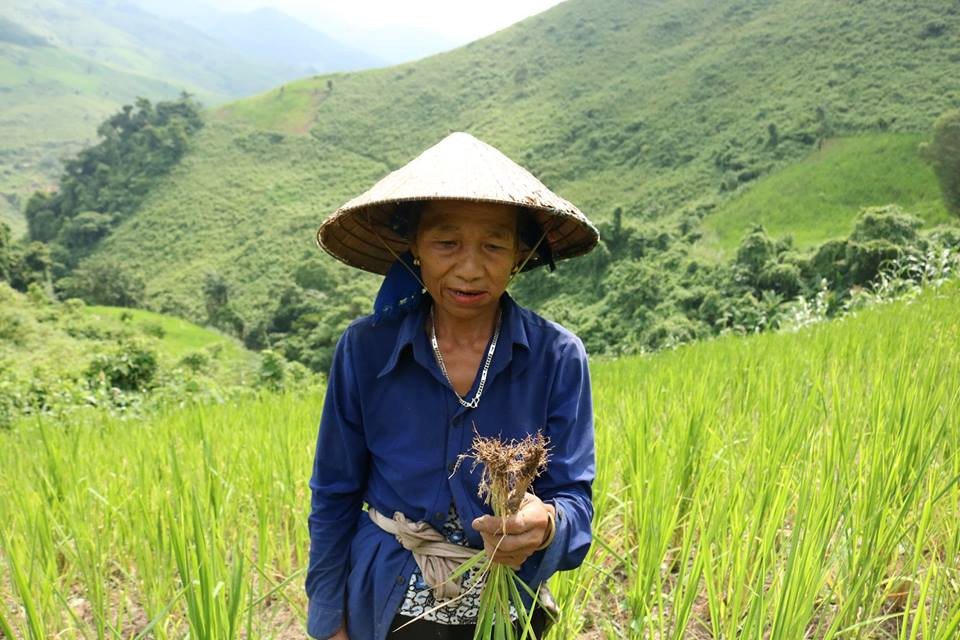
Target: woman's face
[466, 252]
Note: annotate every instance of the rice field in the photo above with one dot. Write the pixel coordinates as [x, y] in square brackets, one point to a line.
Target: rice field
[781, 486]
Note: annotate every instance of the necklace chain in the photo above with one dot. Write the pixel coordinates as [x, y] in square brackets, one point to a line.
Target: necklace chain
[472, 404]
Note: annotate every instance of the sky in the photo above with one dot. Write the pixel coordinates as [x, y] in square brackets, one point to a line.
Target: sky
[458, 21]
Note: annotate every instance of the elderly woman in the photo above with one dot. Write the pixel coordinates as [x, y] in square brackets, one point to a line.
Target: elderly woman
[447, 353]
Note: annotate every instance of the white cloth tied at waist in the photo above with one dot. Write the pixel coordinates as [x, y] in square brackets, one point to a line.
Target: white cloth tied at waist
[436, 557]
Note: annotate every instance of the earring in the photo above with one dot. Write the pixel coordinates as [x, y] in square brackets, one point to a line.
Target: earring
[515, 269]
[416, 262]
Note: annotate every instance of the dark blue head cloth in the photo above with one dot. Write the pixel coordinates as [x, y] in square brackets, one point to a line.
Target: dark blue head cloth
[400, 291]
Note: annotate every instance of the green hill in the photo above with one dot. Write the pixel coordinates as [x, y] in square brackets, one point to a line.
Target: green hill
[46, 349]
[51, 103]
[665, 110]
[649, 106]
[817, 198]
[122, 36]
[66, 64]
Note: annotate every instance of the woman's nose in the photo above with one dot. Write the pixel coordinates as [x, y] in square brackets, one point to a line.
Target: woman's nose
[470, 265]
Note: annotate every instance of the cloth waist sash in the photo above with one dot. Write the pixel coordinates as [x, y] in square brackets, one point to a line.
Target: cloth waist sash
[436, 557]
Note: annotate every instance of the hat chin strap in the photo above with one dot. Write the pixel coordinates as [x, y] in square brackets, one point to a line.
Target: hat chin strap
[530, 254]
[416, 276]
[423, 287]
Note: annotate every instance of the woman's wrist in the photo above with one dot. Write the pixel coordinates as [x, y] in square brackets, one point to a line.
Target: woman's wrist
[551, 527]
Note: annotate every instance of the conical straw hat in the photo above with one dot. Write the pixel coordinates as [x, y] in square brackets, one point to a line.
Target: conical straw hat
[459, 167]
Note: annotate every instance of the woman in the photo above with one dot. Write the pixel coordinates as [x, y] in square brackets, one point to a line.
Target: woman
[446, 353]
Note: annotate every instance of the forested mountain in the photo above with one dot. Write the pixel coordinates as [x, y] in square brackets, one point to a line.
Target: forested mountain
[66, 64]
[651, 116]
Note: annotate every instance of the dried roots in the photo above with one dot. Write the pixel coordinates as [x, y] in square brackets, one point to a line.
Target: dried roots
[509, 469]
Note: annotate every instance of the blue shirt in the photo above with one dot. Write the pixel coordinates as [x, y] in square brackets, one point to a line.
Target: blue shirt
[390, 434]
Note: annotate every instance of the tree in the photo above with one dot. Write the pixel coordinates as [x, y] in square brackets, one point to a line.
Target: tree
[943, 153]
[755, 250]
[132, 366]
[105, 183]
[216, 296]
[42, 213]
[85, 229]
[104, 282]
[22, 266]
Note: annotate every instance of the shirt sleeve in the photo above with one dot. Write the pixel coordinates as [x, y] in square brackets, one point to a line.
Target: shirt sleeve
[337, 485]
[568, 479]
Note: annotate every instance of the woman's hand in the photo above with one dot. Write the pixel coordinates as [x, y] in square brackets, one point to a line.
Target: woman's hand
[522, 533]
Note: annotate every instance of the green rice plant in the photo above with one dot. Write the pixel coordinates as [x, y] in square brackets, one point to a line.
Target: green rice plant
[214, 584]
[508, 470]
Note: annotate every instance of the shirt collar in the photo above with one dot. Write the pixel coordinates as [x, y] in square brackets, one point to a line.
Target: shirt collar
[512, 330]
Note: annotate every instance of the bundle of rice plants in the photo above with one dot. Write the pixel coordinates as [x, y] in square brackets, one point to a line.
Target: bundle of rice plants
[508, 471]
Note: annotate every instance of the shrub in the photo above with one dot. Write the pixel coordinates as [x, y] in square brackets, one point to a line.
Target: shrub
[73, 306]
[829, 261]
[130, 367]
[154, 329]
[13, 325]
[865, 259]
[755, 250]
[943, 153]
[104, 282]
[273, 369]
[671, 331]
[195, 361]
[784, 278]
[889, 223]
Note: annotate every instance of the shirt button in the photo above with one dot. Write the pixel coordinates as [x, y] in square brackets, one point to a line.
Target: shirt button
[439, 515]
[400, 580]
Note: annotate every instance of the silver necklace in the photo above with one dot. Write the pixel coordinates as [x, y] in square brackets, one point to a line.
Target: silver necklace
[443, 368]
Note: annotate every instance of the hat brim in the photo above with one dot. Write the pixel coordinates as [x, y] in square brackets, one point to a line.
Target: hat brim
[362, 236]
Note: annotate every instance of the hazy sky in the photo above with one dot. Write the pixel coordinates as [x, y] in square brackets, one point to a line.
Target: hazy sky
[459, 21]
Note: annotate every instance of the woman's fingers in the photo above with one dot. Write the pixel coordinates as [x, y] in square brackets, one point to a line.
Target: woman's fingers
[512, 543]
[531, 515]
[513, 539]
[512, 559]
[494, 525]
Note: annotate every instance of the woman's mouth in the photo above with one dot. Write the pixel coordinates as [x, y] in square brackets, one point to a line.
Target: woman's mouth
[466, 295]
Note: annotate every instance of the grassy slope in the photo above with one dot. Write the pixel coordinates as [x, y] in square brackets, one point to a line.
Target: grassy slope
[51, 106]
[122, 36]
[98, 57]
[247, 206]
[611, 102]
[43, 338]
[845, 444]
[817, 198]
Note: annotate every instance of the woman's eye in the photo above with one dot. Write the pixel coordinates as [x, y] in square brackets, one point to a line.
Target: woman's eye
[446, 244]
[495, 247]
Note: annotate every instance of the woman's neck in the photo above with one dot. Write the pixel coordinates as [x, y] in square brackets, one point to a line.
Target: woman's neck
[465, 332]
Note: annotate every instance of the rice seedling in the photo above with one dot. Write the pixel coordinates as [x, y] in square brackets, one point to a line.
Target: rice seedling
[508, 470]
